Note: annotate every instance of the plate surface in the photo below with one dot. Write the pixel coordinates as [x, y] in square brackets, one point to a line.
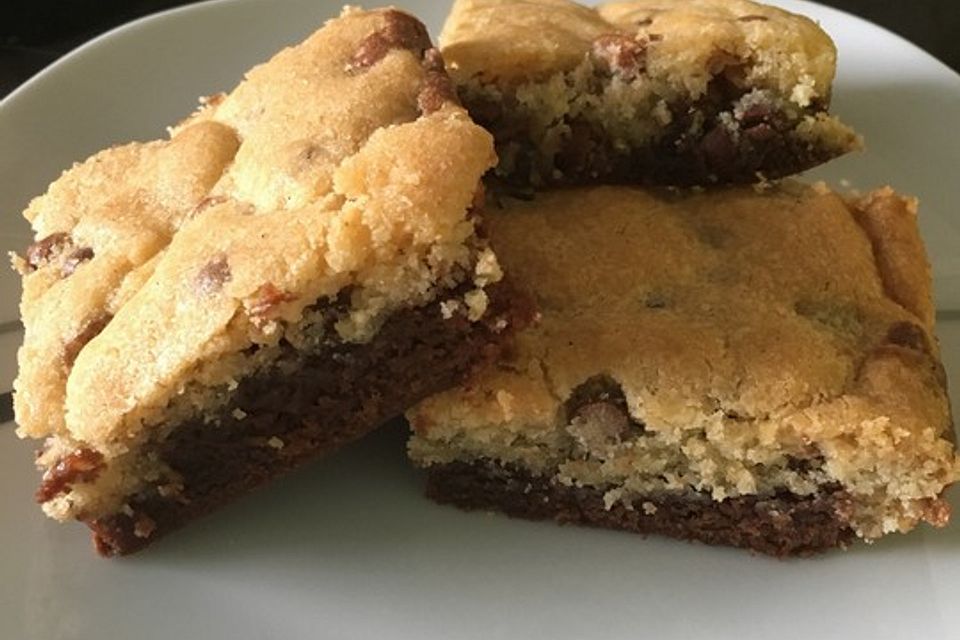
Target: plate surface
[348, 548]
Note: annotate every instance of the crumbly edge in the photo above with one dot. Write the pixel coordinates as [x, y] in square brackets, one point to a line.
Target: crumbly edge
[211, 387]
[309, 406]
[726, 459]
[894, 476]
[540, 128]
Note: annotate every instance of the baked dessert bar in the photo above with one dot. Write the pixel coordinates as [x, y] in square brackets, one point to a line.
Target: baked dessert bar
[664, 92]
[741, 368]
[296, 264]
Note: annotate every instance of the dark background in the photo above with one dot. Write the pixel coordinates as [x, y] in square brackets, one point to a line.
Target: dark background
[35, 33]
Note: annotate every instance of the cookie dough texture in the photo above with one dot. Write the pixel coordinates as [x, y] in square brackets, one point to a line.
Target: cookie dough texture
[732, 347]
[512, 41]
[716, 90]
[343, 164]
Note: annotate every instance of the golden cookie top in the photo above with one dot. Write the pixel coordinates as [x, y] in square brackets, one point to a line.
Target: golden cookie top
[686, 41]
[342, 162]
[788, 316]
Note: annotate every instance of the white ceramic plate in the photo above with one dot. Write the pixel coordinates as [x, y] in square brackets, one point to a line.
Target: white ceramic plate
[348, 548]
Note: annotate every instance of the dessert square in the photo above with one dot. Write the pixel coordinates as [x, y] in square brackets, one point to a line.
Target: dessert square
[297, 263]
[755, 368]
[658, 92]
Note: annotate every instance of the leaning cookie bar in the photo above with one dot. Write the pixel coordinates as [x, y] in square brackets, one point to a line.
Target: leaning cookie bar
[295, 264]
[664, 92]
[740, 368]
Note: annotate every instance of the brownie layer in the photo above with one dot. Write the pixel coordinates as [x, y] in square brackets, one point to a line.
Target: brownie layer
[780, 525]
[277, 420]
[708, 141]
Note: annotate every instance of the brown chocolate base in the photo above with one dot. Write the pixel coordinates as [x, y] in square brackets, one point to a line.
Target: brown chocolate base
[781, 525]
[332, 397]
[722, 149]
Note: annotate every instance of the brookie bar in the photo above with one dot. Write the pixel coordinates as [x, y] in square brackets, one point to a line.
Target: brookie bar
[756, 369]
[661, 92]
[296, 264]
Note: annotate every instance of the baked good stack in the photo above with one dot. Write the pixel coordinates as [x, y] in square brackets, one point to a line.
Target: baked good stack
[751, 366]
[637, 330]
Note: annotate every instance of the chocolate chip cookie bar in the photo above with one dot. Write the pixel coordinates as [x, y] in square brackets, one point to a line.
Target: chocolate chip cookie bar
[741, 368]
[662, 92]
[295, 264]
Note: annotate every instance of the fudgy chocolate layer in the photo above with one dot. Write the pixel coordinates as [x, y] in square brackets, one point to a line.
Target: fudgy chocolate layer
[277, 420]
[703, 144]
[781, 525]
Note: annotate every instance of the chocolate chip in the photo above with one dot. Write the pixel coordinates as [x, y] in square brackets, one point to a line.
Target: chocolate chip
[596, 389]
[433, 60]
[621, 54]
[645, 22]
[373, 49]
[437, 91]
[400, 31]
[265, 301]
[910, 336]
[486, 111]
[656, 301]
[609, 413]
[756, 114]
[41, 252]
[598, 425]
[761, 133]
[804, 465]
[75, 259]
[437, 88]
[91, 329]
[213, 275]
[213, 100]
[82, 465]
[718, 147]
[597, 414]
[752, 18]
[579, 149]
